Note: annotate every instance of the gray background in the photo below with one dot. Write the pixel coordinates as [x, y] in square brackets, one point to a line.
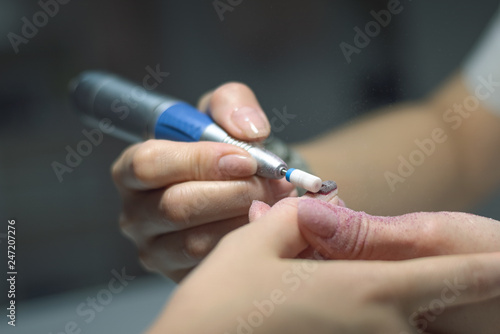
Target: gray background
[287, 51]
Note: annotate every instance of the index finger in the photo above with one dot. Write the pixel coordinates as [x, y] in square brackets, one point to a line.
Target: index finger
[158, 163]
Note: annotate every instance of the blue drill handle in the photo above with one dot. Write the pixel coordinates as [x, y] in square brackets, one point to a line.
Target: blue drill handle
[182, 122]
[138, 114]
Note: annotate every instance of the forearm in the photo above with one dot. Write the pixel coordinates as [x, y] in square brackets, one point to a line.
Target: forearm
[412, 157]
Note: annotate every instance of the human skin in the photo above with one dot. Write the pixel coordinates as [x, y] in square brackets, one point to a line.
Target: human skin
[174, 241]
[335, 232]
[341, 233]
[257, 261]
[459, 173]
[179, 199]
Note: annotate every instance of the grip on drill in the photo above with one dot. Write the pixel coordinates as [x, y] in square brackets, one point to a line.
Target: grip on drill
[181, 122]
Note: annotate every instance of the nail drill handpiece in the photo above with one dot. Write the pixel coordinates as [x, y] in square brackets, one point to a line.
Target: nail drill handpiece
[139, 114]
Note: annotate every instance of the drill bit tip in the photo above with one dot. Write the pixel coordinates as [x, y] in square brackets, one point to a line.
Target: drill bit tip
[304, 180]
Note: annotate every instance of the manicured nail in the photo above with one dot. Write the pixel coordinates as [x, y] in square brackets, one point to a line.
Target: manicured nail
[237, 165]
[251, 122]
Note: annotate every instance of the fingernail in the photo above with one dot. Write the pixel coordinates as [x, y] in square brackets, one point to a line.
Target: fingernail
[251, 122]
[237, 165]
[327, 193]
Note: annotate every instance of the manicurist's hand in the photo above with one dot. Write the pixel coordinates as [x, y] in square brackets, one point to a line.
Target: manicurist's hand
[251, 283]
[179, 199]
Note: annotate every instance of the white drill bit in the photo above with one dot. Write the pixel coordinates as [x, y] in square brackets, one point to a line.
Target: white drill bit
[303, 179]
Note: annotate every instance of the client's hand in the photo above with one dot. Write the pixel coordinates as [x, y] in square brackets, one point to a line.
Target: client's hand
[340, 233]
[251, 283]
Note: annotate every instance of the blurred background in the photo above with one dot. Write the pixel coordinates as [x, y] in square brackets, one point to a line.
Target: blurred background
[68, 240]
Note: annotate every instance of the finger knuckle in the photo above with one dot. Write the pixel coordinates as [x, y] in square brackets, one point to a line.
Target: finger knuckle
[144, 161]
[198, 245]
[432, 237]
[175, 208]
[248, 192]
[198, 160]
[117, 167]
[255, 188]
[359, 228]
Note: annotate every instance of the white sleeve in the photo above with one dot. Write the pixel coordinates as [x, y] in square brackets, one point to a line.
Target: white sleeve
[482, 68]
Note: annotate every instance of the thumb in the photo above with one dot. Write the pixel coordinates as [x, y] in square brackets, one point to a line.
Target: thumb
[340, 233]
[235, 108]
[275, 233]
[257, 210]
